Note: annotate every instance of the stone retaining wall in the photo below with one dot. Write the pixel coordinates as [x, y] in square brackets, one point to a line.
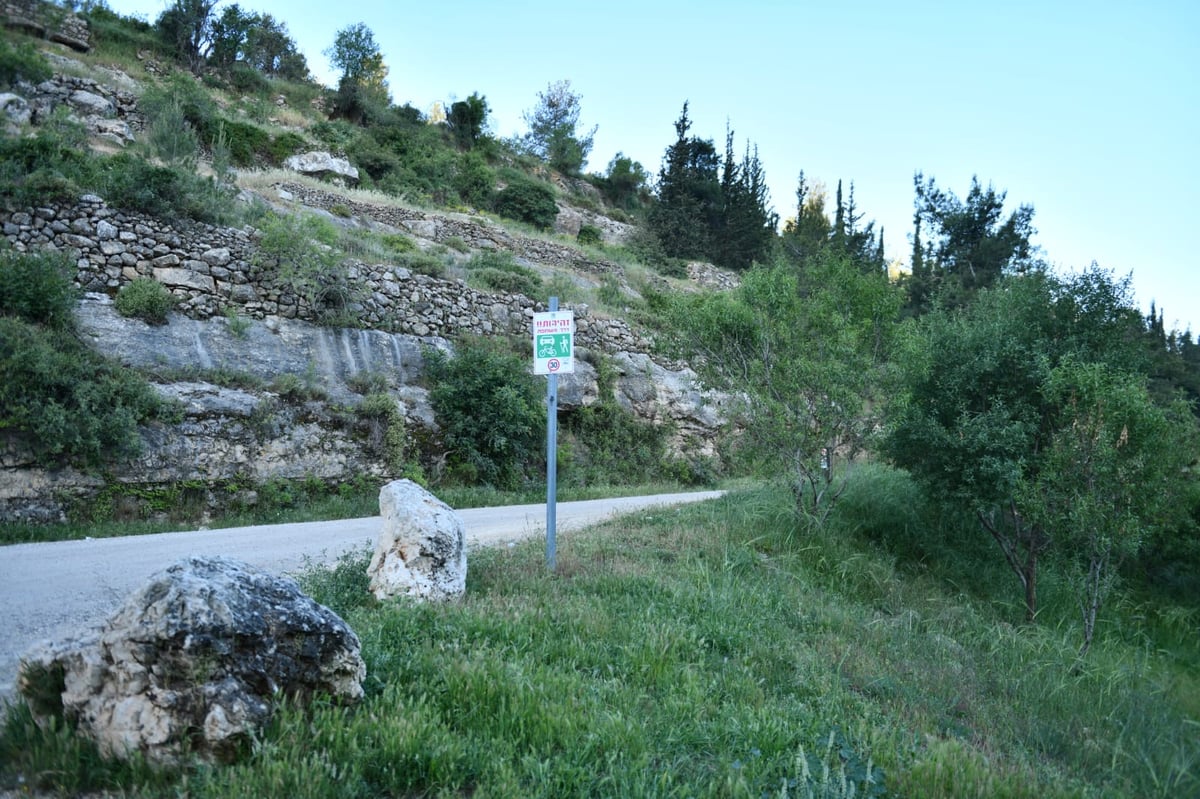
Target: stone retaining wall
[48, 21]
[210, 269]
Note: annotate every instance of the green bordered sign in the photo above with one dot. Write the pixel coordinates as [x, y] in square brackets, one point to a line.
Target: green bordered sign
[554, 343]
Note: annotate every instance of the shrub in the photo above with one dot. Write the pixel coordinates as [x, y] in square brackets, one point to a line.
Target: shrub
[527, 201]
[387, 436]
[498, 271]
[589, 235]
[299, 250]
[22, 62]
[146, 299]
[489, 410]
[247, 80]
[64, 403]
[474, 181]
[284, 146]
[38, 287]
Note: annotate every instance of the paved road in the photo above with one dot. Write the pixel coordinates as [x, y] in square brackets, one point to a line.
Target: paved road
[57, 589]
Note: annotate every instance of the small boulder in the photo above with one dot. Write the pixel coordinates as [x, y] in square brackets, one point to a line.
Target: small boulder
[195, 661]
[421, 551]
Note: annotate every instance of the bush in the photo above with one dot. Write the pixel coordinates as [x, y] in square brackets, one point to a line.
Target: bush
[146, 299]
[64, 403]
[284, 146]
[299, 251]
[475, 182]
[38, 287]
[527, 201]
[489, 410]
[498, 271]
[22, 63]
[589, 235]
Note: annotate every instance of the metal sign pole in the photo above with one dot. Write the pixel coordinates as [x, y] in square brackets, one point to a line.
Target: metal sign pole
[551, 459]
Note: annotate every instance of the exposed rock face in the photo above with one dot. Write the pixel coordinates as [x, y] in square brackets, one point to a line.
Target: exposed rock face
[323, 165]
[421, 551]
[196, 659]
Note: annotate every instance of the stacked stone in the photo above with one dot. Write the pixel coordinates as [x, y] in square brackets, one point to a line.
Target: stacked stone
[48, 21]
[209, 269]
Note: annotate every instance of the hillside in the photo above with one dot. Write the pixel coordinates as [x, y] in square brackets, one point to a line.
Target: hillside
[268, 359]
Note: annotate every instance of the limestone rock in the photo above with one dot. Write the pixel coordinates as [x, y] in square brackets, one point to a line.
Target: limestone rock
[421, 551]
[15, 108]
[322, 164]
[195, 660]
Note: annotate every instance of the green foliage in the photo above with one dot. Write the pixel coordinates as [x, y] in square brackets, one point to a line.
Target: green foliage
[499, 271]
[805, 353]
[185, 27]
[38, 288]
[1113, 475]
[65, 404]
[977, 420]
[967, 246]
[387, 435]
[589, 235]
[626, 182]
[467, 119]
[298, 252]
[475, 181]
[489, 412]
[146, 299]
[22, 62]
[553, 134]
[689, 195]
[362, 92]
[528, 201]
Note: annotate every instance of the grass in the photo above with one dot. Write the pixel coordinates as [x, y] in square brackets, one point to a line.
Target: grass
[712, 650]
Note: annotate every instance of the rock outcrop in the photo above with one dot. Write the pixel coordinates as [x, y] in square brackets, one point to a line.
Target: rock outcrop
[195, 661]
[421, 550]
[323, 165]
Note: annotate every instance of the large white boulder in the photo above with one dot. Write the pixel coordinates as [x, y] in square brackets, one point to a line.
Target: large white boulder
[323, 164]
[195, 660]
[421, 551]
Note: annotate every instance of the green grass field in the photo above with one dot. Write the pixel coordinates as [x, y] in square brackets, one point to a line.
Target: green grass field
[712, 650]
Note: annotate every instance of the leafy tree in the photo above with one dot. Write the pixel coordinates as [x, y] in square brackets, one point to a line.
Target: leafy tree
[362, 88]
[258, 40]
[467, 119]
[1114, 473]
[186, 27]
[625, 182]
[970, 245]
[976, 417]
[553, 129]
[689, 194]
[801, 354]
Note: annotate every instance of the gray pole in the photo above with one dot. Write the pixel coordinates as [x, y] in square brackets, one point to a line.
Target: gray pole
[551, 459]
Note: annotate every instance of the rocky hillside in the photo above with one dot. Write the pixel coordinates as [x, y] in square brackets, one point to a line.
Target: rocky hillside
[296, 419]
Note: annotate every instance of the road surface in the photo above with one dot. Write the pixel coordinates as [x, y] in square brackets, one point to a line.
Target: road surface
[55, 590]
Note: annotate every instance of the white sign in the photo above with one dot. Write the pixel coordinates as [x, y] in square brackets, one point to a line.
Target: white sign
[554, 343]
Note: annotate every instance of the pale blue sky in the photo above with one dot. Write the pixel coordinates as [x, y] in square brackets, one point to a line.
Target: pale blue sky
[1088, 111]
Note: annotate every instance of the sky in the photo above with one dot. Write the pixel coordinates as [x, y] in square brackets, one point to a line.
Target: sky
[1089, 112]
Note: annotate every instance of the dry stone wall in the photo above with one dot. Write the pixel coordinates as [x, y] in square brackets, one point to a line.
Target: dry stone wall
[48, 21]
[211, 269]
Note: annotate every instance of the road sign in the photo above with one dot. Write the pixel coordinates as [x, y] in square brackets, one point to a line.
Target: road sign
[554, 343]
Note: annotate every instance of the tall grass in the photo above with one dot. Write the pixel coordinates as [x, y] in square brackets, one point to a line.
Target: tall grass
[712, 650]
